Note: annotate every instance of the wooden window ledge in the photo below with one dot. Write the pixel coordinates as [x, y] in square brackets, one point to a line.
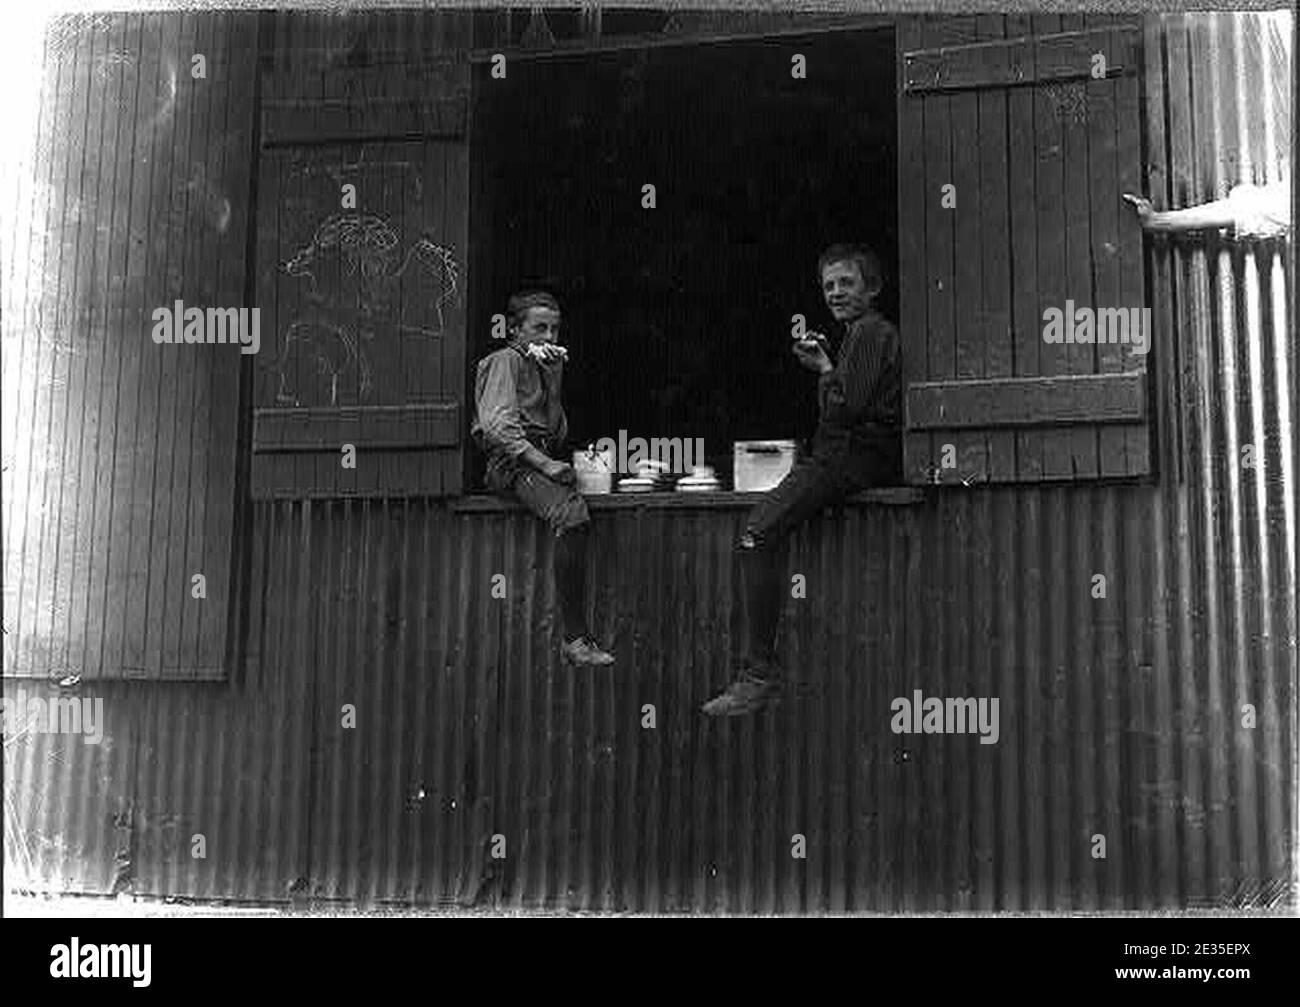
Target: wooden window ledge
[892, 496]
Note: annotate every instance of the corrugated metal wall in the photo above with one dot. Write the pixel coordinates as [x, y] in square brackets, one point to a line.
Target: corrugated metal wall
[1119, 716]
[1220, 95]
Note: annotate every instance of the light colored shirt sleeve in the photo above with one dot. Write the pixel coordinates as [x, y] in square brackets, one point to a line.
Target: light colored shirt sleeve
[497, 402]
[1261, 211]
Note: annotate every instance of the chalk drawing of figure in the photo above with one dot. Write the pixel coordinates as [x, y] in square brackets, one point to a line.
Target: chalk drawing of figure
[329, 333]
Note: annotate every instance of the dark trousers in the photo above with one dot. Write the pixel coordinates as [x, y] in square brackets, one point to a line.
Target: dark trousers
[810, 487]
[565, 512]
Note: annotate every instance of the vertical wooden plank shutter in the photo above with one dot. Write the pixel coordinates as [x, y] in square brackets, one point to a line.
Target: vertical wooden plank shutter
[124, 451]
[1038, 149]
[363, 338]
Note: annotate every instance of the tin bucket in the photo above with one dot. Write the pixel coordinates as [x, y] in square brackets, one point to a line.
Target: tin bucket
[594, 470]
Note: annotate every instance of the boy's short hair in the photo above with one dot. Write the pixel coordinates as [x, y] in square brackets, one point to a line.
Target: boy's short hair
[520, 303]
[867, 261]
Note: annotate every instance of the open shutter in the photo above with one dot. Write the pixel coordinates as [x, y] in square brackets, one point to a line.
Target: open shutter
[1038, 138]
[120, 454]
[363, 317]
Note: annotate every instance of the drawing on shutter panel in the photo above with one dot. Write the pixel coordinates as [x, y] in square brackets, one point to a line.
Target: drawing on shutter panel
[1039, 138]
[360, 268]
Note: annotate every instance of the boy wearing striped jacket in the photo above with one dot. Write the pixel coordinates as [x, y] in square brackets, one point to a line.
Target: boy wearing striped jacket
[858, 444]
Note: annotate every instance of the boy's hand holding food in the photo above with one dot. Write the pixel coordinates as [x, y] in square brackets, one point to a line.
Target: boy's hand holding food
[546, 353]
[811, 352]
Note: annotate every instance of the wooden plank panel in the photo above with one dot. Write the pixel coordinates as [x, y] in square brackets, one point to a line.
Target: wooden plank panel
[386, 356]
[446, 191]
[454, 340]
[215, 507]
[298, 122]
[1132, 278]
[328, 470]
[41, 613]
[972, 232]
[174, 417]
[115, 516]
[939, 234]
[85, 341]
[323, 198]
[913, 301]
[1049, 203]
[155, 441]
[37, 602]
[393, 428]
[58, 330]
[1080, 357]
[1019, 61]
[212, 378]
[427, 368]
[1026, 317]
[424, 215]
[297, 373]
[210, 101]
[266, 381]
[23, 243]
[996, 259]
[121, 82]
[1103, 159]
[309, 185]
[408, 196]
[285, 54]
[1070, 399]
[141, 378]
[287, 85]
[1017, 25]
[1154, 179]
[133, 317]
[375, 194]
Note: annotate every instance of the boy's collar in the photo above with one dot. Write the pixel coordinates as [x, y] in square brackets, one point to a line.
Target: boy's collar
[867, 315]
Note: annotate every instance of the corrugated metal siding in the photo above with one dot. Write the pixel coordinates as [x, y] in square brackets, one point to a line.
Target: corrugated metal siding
[1224, 85]
[1119, 717]
[467, 727]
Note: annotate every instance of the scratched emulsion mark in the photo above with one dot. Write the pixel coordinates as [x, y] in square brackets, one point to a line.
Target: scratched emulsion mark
[331, 329]
[166, 96]
[66, 29]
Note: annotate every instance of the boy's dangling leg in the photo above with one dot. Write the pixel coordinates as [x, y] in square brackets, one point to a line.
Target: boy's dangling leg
[761, 566]
[571, 580]
[761, 563]
[565, 511]
[800, 495]
[571, 585]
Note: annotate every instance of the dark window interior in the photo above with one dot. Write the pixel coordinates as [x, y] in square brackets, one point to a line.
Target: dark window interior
[678, 318]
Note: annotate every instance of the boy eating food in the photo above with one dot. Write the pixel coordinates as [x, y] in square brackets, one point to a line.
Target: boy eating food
[520, 425]
[858, 444]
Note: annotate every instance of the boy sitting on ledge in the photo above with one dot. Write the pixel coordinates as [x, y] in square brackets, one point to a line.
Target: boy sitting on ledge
[520, 425]
[858, 444]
